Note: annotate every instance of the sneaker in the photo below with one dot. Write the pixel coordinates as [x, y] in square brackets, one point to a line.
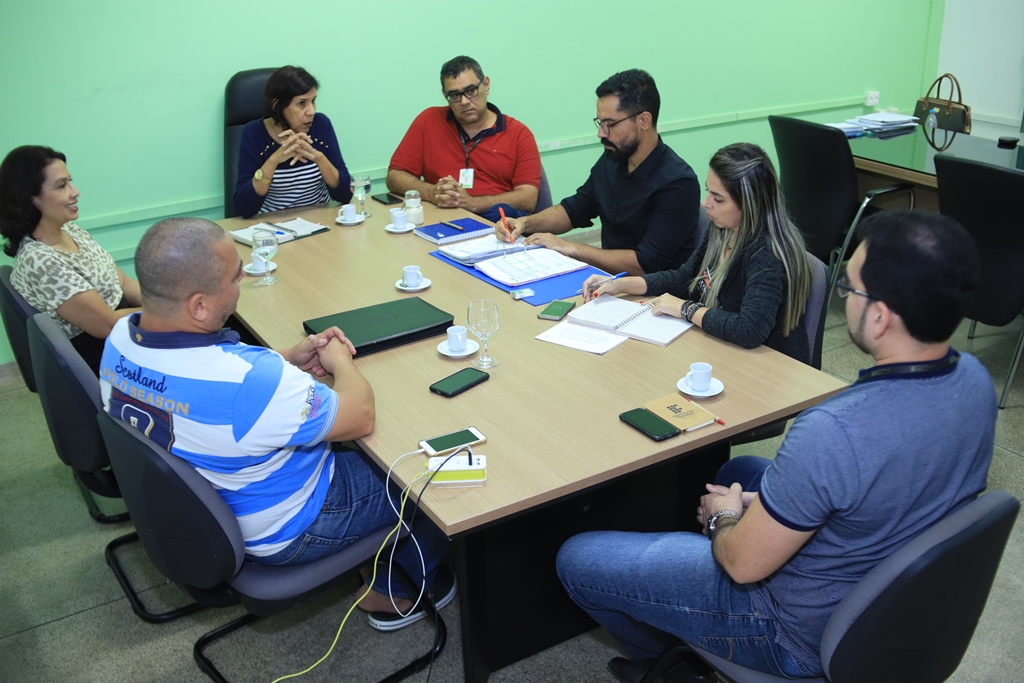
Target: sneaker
[442, 590]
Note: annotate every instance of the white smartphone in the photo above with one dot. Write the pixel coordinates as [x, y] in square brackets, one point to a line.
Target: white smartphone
[449, 442]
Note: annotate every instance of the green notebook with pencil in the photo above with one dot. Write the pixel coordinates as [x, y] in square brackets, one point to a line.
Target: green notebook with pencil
[384, 326]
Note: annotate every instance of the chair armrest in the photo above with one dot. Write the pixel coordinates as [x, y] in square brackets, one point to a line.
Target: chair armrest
[888, 189]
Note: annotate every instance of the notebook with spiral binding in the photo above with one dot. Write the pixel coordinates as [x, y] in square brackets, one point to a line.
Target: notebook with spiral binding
[439, 233]
[629, 318]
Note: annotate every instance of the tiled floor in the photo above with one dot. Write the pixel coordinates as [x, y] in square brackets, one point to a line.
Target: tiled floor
[64, 618]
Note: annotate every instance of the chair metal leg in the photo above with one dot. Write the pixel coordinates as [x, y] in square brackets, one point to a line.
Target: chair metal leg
[1013, 371]
[418, 664]
[871, 196]
[198, 653]
[970, 331]
[132, 594]
[94, 510]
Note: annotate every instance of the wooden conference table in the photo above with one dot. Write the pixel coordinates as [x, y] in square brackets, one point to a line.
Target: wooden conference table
[559, 459]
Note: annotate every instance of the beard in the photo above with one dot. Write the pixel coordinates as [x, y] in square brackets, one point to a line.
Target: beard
[623, 151]
[857, 334]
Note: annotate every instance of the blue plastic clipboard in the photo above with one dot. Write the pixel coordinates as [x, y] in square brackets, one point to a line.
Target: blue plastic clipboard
[562, 286]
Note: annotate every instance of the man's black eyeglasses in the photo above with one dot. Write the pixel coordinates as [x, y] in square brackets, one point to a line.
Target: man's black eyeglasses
[455, 96]
[606, 126]
[844, 289]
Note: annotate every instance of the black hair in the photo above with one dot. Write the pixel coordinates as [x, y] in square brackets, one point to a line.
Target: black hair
[636, 91]
[455, 66]
[22, 175]
[282, 87]
[924, 266]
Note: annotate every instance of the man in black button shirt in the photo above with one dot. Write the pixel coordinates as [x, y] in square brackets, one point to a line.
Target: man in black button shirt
[646, 196]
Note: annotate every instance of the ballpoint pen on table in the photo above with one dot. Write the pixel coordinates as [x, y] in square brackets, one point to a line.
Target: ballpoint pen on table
[601, 282]
[453, 225]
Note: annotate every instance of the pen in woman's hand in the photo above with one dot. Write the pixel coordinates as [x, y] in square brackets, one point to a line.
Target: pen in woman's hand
[601, 282]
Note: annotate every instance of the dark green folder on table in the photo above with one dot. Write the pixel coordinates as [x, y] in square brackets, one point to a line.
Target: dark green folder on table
[384, 326]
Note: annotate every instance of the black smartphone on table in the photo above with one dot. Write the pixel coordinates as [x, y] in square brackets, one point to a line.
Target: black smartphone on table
[453, 385]
[648, 423]
[388, 198]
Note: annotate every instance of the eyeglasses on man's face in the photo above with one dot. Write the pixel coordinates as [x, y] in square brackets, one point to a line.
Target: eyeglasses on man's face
[606, 126]
[844, 289]
[455, 96]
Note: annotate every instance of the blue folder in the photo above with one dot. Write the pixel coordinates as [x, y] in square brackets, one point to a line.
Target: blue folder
[562, 286]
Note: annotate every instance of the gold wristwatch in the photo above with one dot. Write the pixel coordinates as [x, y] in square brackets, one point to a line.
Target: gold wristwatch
[258, 175]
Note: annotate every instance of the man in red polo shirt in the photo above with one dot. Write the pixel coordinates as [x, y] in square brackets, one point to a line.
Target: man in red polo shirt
[468, 155]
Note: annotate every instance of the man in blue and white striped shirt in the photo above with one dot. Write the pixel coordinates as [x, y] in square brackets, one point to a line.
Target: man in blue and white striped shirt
[254, 422]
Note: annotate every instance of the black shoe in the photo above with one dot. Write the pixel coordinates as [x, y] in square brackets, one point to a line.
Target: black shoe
[687, 668]
[443, 591]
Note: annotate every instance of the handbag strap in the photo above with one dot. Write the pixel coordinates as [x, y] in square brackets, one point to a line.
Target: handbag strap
[954, 89]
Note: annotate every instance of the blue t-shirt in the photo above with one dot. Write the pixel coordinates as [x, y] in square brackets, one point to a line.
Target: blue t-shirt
[870, 469]
[248, 420]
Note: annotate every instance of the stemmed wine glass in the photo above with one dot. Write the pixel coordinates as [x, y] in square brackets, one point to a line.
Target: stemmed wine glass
[482, 319]
[361, 188]
[264, 247]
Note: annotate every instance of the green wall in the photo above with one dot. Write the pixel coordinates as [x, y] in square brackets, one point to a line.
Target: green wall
[133, 92]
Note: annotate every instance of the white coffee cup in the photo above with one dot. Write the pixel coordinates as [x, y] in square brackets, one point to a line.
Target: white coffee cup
[456, 338]
[411, 276]
[347, 212]
[399, 220]
[699, 377]
[259, 265]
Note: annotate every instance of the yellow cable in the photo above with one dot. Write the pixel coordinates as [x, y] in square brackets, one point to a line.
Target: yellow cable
[373, 577]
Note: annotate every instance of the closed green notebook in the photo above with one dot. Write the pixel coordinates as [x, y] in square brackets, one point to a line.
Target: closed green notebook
[383, 326]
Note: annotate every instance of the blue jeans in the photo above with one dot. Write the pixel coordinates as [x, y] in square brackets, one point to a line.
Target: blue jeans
[648, 589]
[356, 506]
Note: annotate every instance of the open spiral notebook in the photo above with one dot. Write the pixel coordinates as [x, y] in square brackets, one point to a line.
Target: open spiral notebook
[612, 320]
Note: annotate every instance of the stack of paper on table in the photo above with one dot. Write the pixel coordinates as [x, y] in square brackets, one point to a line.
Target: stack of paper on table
[524, 267]
[473, 251]
[879, 124]
[286, 230]
[607, 321]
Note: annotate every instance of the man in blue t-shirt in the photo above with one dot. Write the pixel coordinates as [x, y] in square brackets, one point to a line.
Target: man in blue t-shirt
[257, 424]
[857, 477]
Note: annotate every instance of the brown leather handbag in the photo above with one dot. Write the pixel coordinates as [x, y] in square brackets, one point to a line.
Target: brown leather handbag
[952, 115]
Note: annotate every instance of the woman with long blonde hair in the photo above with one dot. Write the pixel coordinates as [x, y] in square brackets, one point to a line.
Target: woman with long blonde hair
[749, 279]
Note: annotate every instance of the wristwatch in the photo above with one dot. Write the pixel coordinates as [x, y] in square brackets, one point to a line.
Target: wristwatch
[713, 520]
[258, 175]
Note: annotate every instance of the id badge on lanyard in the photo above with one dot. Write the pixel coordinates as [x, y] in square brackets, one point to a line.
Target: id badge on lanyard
[466, 174]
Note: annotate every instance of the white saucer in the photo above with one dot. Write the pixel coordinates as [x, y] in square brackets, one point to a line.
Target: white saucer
[249, 269]
[471, 348]
[713, 390]
[423, 285]
[390, 227]
[341, 221]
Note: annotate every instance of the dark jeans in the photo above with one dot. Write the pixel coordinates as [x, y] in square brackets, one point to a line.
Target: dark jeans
[356, 506]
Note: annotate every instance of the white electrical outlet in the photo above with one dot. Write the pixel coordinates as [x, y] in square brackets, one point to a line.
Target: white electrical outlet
[871, 98]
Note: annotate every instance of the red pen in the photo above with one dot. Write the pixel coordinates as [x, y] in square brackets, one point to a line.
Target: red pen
[504, 221]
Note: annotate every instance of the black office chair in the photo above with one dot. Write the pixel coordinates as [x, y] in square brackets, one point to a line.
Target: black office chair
[193, 538]
[70, 395]
[997, 227]
[814, 315]
[819, 181]
[243, 102]
[15, 312]
[910, 618]
[544, 199]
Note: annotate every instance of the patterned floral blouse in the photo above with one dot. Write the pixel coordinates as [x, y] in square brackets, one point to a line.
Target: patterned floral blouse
[48, 277]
